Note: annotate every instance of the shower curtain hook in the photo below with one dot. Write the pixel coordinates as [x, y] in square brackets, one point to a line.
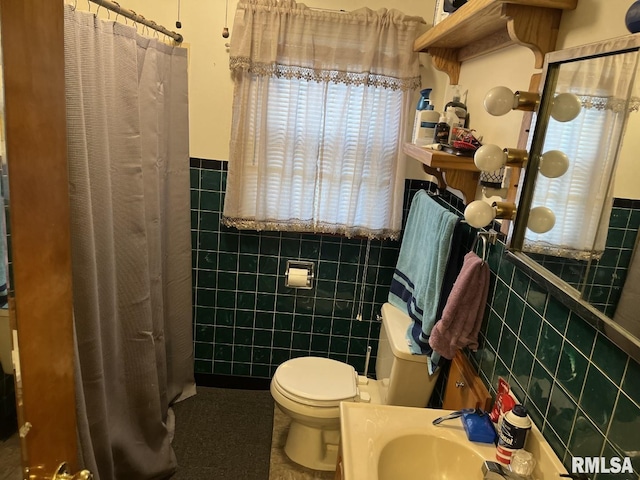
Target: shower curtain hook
[75, 5]
[135, 24]
[145, 30]
[89, 5]
[118, 12]
[155, 31]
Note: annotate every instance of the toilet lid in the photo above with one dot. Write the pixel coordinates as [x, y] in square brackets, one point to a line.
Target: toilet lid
[316, 378]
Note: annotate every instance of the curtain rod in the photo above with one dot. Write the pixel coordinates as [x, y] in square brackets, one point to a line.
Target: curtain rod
[115, 7]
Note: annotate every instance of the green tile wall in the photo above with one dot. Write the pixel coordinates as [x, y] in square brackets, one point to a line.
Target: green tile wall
[581, 390]
[246, 321]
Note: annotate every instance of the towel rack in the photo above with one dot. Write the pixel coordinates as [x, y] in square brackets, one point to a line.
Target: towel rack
[488, 238]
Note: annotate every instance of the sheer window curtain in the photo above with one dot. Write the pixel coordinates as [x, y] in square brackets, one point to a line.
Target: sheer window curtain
[321, 104]
[582, 198]
[127, 120]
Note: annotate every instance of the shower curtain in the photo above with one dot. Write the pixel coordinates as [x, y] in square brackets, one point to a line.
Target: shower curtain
[127, 121]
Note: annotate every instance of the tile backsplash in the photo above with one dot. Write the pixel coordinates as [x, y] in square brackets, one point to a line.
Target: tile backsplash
[247, 321]
[582, 391]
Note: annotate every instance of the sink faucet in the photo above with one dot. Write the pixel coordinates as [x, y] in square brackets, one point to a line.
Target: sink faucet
[495, 471]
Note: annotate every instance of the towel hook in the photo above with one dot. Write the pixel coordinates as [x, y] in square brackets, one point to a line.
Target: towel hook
[485, 249]
[487, 238]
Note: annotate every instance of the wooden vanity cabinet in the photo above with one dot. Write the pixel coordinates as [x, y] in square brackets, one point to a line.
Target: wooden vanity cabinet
[464, 388]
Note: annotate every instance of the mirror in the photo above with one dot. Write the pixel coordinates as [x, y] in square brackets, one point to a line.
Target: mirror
[588, 259]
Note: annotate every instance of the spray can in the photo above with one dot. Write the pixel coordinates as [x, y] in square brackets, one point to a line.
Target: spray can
[512, 433]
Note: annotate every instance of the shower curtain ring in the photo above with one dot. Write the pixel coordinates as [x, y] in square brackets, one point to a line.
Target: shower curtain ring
[118, 11]
[135, 24]
[155, 30]
[145, 29]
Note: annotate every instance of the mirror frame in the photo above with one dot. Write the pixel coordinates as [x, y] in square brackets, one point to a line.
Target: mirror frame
[558, 288]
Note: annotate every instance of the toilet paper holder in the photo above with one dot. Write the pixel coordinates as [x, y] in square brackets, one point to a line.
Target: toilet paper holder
[293, 271]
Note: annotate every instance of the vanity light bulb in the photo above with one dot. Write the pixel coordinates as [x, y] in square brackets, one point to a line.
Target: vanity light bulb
[479, 214]
[541, 220]
[566, 107]
[554, 164]
[489, 158]
[500, 101]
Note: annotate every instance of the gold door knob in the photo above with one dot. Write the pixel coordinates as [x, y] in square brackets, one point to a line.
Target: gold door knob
[63, 474]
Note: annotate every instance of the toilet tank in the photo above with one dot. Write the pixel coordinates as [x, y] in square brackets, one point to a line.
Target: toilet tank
[403, 377]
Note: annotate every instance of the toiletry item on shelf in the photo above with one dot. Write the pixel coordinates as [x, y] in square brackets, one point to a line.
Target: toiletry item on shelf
[476, 423]
[512, 433]
[478, 427]
[425, 120]
[439, 14]
[442, 131]
[453, 5]
[522, 463]
[460, 108]
[453, 120]
[504, 401]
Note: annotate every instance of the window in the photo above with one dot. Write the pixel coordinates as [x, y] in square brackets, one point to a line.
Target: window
[318, 125]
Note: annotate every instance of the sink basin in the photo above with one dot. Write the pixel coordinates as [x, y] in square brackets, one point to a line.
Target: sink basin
[383, 442]
[434, 457]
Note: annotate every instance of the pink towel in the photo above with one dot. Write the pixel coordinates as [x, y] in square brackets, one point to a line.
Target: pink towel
[462, 314]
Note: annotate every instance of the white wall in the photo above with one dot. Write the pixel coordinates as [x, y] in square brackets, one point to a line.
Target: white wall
[211, 91]
[210, 86]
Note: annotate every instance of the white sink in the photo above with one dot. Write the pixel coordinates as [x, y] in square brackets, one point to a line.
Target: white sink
[433, 457]
[381, 442]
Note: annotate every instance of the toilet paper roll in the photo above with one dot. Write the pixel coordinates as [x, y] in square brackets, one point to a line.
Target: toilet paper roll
[297, 277]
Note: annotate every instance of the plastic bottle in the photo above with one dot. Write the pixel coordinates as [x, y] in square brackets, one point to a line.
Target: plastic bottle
[442, 130]
[512, 433]
[453, 121]
[425, 120]
[460, 108]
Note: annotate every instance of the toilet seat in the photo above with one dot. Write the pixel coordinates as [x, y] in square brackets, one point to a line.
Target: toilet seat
[315, 381]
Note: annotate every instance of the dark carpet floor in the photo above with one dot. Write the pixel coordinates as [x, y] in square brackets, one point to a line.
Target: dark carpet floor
[224, 434]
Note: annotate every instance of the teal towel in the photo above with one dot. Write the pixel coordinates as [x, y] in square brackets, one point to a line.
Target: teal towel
[417, 280]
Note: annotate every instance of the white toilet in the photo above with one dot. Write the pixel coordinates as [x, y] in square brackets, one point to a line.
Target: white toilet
[310, 389]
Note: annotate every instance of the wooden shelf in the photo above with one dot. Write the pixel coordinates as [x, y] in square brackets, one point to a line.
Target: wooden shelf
[484, 26]
[457, 172]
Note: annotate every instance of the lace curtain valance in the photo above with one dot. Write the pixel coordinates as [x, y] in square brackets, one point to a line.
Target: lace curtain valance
[322, 101]
[290, 40]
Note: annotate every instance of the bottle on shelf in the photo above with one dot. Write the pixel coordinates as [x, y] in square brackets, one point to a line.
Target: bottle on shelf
[459, 107]
[442, 131]
[453, 120]
[425, 120]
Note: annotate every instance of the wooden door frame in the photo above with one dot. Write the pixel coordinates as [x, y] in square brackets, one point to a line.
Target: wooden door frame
[40, 293]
